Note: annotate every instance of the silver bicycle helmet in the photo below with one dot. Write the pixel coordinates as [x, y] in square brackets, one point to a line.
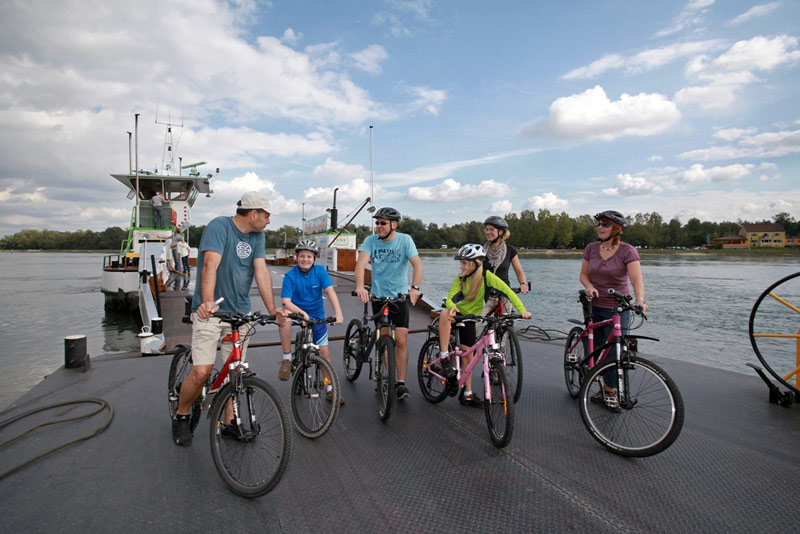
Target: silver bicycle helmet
[496, 221]
[387, 213]
[307, 244]
[471, 252]
[613, 216]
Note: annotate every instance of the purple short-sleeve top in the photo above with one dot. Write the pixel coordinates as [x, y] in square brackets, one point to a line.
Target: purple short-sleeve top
[611, 273]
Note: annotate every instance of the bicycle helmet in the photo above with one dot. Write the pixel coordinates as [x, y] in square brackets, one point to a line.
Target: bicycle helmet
[307, 244]
[390, 214]
[613, 216]
[471, 252]
[496, 221]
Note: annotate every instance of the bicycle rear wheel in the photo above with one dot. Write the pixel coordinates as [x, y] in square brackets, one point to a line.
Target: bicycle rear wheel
[312, 412]
[353, 344]
[498, 406]
[251, 456]
[509, 345]
[433, 388]
[574, 353]
[179, 369]
[647, 421]
[385, 375]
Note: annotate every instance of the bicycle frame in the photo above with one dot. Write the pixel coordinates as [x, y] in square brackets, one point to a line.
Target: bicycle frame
[382, 316]
[486, 341]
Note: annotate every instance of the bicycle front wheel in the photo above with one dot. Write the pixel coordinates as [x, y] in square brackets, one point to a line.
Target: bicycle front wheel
[433, 388]
[385, 376]
[313, 413]
[498, 405]
[648, 418]
[251, 454]
[774, 332]
[179, 370]
[509, 345]
[574, 353]
[351, 354]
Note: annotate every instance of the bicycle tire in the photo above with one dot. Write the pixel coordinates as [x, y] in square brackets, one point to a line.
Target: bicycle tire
[509, 345]
[648, 422]
[434, 389]
[573, 371]
[254, 463]
[313, 414]
[385, 375]
[179, 369]
[499, 411]
[351, 353]
[778, 356]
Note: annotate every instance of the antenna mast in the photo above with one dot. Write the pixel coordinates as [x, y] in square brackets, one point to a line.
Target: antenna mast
[168, 156]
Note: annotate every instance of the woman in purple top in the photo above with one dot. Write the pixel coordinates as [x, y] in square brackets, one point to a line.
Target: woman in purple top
[609, 264]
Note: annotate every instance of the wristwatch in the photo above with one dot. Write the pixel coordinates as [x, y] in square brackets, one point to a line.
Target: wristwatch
[415, 287]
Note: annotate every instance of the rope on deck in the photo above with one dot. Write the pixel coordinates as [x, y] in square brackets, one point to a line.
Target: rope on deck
[103, 405]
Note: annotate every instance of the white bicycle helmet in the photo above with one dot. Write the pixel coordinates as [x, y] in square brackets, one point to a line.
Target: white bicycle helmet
[307, 244]
[471, 252]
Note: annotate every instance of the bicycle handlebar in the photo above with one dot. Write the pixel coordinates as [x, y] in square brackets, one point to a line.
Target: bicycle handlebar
[624, 301]
[242, 318]
[299, 319]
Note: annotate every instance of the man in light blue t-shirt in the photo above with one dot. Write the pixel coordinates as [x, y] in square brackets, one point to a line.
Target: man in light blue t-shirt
[231, 255]
[390, 252]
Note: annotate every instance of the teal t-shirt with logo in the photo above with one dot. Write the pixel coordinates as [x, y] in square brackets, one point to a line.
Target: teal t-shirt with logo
[389, 263]
[235, 273]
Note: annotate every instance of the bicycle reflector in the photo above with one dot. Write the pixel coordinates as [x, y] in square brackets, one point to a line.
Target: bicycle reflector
[386, 311]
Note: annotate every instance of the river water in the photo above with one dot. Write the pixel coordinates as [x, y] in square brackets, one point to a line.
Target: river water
[699, 306]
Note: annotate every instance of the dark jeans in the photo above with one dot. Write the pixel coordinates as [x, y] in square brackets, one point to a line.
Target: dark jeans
[157, 222]
[601, 336]
[185, 260]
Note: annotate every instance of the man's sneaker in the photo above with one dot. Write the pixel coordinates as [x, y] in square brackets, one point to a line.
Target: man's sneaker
[285, 372]
[229, 431]
[402, 392]
[329, 397]
[181, 432]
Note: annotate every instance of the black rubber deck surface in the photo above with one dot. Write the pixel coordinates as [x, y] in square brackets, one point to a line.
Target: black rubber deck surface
[430, 468]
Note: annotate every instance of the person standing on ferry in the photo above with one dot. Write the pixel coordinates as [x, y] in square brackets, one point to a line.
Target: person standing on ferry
[157, 201]
[301, 293]
[231, 255]
[466, 296]
[499, 257]
[390, 253]
[609, 263]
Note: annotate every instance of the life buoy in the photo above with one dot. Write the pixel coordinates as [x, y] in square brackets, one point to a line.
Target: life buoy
[174, 217]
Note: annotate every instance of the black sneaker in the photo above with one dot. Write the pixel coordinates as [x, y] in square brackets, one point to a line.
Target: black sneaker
[229, 431]
[448, 369]
[402, 392]
[181, 431]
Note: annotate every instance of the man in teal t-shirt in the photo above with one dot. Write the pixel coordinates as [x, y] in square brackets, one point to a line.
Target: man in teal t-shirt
[390, 252]
[231, 255]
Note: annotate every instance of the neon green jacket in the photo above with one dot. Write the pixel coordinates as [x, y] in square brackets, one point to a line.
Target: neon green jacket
[474, 307]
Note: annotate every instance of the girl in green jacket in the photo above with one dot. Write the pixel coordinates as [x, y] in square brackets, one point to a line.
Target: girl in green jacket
[467, 297]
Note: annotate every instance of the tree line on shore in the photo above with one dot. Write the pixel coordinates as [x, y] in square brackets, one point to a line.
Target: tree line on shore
[529, 229]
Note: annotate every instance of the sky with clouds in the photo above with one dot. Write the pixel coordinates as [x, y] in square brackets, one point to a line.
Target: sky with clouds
[690, 109]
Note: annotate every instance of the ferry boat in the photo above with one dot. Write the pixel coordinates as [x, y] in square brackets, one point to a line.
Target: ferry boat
[133, 278]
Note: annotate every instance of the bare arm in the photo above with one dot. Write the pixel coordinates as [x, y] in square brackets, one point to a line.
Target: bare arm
[264, 283]
[523, 285]
[635, 274]
[361, 265]
[416, 279]
[586, 281]
[208, 284]
[330, 292]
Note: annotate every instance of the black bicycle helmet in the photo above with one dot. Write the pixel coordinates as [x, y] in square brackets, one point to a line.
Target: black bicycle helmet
[307, 244]
[389, 214]
[471, 252]
[613, 216]
[496, 221]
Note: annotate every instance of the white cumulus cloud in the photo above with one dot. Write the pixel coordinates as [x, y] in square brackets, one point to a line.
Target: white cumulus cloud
[547, 201]
[628, 185]
[760, 10]
[450, 189]
[730, 173]
[592, 115]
